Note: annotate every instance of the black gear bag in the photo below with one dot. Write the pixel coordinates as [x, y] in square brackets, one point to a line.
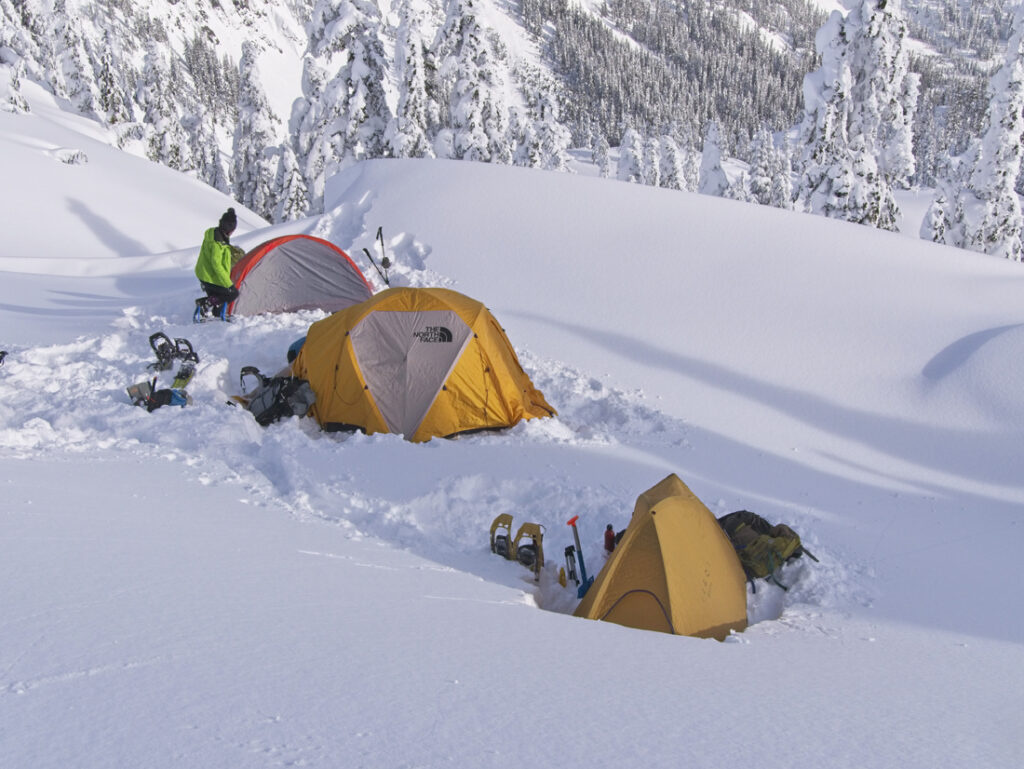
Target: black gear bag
[276, 397]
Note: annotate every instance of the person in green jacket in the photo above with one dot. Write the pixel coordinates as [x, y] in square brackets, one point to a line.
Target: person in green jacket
[213, 268]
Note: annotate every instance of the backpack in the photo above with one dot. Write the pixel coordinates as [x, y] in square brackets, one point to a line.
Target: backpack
[277, 397]
[762, 548]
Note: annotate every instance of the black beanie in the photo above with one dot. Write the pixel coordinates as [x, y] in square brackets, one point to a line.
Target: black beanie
[228, 221]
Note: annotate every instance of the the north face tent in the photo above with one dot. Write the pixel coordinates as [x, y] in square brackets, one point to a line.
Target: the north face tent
[419, 362]
[297, 272]
[674, 570]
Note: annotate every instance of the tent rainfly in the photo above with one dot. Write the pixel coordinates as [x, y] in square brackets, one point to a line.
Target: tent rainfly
[419, 362]
[674, 570]
[297, 272]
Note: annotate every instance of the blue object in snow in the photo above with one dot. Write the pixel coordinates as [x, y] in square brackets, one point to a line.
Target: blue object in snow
[294, 347]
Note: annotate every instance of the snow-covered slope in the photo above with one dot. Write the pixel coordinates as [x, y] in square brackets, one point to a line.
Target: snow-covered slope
[186, 588]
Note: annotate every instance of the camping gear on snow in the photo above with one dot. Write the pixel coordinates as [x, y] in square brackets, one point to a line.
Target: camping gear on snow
[297, 272]
[762, 548]
[419, 362]
[674, 571]
[584, 582]
[208, 308]
[293, 349]
[531, 552]
[384, 261]
[501, 535]
[145, 394]
[275, 397]
[570, 567]
[167, 351]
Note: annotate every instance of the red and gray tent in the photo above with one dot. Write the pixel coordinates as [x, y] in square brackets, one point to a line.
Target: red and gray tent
[297, 272]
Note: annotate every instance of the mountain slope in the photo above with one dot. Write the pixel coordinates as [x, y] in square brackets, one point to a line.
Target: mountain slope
[184, 587]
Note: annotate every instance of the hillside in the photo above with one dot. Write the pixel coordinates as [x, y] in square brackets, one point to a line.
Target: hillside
[186, 588]
[173, 83]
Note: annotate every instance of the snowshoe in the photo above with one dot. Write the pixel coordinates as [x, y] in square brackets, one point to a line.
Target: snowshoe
[164, 349]
[209, 309]
[183, 349]
[167, 351]
[184, 375]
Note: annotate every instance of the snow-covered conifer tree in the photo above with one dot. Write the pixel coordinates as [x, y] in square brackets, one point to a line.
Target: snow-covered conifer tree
[936, 225]
[305, 126]
[840, 180]
[207, 162]
[713, 180]
[553, 136]
[11, 98]
[631, 153]
[356, 91]
[988, 214]
[13, 34]
[74, 67]
[474, 66]
[528, 151]
[292, 197]
[858, 110]
[602, 156]
[764, 166]
[869, 199]
[253, 165]
[739, 189]
[417, 115]
[167, 140]
[691, 168]
[884, 92]
[343, 114]
[673, 176]
[942, 223]
[650, 169]
[114, 102]
[781, 193]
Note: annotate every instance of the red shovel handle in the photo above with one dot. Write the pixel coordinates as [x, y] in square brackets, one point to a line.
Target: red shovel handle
[572, 521]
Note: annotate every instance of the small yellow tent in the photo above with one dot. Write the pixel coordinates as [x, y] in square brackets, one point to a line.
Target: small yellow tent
[674, 570]
[419, 362]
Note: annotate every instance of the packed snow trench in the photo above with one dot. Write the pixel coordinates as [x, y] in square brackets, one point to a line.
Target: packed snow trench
[438, 499]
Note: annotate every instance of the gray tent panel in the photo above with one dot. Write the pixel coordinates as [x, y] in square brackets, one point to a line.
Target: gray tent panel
[406, 358]
[300, 274]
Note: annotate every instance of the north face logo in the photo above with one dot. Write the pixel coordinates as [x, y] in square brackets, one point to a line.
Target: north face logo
[433, 334]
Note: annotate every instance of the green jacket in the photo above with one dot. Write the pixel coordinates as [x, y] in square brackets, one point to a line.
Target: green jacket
[214, 263]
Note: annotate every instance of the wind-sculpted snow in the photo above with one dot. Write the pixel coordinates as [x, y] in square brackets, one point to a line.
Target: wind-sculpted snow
[188, 587]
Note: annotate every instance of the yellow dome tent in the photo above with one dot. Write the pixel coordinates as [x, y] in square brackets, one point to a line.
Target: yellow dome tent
[419, 362]
[674, 570]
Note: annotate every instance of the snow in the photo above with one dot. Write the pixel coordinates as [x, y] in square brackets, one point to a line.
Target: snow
[184, 588]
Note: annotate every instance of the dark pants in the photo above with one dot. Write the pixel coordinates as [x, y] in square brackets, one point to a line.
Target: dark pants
[219, 294]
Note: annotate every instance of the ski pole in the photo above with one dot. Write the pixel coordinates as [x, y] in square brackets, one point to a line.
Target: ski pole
[384, 259]
[374, 263]
[385, 262]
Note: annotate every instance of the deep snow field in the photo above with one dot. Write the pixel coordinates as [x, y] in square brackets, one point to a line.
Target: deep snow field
[185, 588]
